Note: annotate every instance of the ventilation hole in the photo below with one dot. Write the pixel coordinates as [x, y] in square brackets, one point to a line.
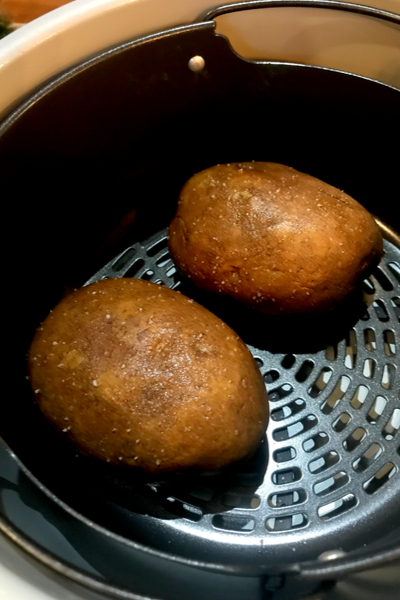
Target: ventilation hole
[376, 409]
[331, 353]
[287, 498]
[148, 275]
[363, 313]
[232, 500]
[286, 523]
[280, 392]
[337, 394]
[331, 484]
[286, 476]
[380, 478]
[183, 496]
[321, 382]
[395, 269]
[124, 259]
[368, 287]
[351, 349]
[271, 376]
[182, 510]
[255, 502]
[338, 507]
[172, 271]
[354, 439]
[396, 303]
[369, 339]
[159, 282]
[341, 422]
[380, 310]
[388, 375]
[201, 493]
[290, 431]
[317, 441]
[259, 362]
[384, 282]
[151, 491]
[369, 368]
[163, 260]
[392, 426]
[323, 462]
[233, 523]
[135, 268]
[359, 397]
[305, 370]
[389, 342]
[159, 245]
[175, 279]
[288, 361]
[293, 408]
[284, 454]
[361, 464]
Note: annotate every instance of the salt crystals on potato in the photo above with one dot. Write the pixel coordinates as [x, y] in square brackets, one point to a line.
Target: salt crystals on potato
[137, 374]
[273, 238]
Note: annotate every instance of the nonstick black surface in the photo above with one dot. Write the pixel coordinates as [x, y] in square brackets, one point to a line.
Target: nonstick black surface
[104, 151]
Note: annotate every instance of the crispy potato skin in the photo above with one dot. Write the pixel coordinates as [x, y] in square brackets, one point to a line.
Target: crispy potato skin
[276, 239]
[136, 374]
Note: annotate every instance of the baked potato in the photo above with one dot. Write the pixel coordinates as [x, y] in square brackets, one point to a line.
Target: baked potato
[276, 239]
[136, 374]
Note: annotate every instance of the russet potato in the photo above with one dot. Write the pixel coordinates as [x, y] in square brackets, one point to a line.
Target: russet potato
[276, 239]
[134, 373]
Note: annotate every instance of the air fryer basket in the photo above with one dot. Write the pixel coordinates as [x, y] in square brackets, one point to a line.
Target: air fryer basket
[92, 165]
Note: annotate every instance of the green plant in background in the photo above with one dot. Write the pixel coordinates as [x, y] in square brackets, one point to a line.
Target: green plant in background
[5, 27]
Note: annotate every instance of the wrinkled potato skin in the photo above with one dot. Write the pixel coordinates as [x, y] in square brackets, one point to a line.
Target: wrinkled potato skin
[276, 239]
[136, 374]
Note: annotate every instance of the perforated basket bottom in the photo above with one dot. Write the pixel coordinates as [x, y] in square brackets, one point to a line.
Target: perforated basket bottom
[328, 475]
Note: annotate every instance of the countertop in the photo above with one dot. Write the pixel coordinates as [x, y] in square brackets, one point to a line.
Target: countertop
[23, 11]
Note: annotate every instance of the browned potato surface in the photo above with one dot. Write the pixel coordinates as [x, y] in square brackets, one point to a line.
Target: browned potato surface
[136, 374]
[272, 237]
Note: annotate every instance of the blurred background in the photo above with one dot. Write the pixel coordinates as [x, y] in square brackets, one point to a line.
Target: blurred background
[23, 11]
